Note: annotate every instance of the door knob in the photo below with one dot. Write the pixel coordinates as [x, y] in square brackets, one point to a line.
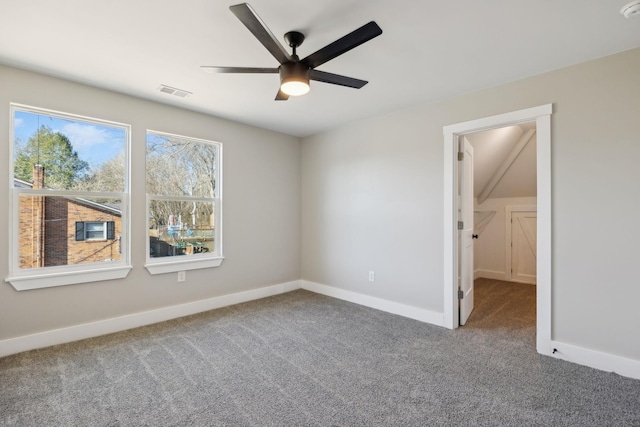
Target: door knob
[474, 236]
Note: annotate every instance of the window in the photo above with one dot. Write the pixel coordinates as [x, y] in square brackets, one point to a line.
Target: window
[69, 210]
[95, 230]
[184, 204]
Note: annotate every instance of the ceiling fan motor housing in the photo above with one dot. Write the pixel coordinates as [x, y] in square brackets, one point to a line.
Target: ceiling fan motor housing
[293, 69]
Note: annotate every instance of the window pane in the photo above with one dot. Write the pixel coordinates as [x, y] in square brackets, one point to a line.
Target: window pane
[48, 226]
[180, 167]
[180, 228]
[94, 230]
[95, 226]
[71, 154]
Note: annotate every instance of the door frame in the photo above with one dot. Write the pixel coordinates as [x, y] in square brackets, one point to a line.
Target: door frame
[542, 116]
[508, 211]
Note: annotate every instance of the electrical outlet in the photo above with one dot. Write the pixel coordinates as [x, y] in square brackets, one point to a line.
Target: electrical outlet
[372, 276]
[182, 276]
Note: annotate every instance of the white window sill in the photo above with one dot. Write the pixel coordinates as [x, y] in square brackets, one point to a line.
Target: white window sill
[185, 262]
[49, 280]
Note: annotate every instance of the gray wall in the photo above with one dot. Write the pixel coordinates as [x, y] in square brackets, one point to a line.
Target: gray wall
[261, 187]
[372, 199]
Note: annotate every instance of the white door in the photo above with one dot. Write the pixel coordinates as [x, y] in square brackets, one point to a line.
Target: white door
[523, 246]
[466, 233]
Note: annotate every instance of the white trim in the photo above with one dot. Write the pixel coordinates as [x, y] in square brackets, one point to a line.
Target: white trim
[500, 120]
[183, 263]
[400, 309]
[542, 117]
[490, 274]
[508, 222]
[595, 359]
[64, 278]
[450, 249]
[544, 248]
[122, 323]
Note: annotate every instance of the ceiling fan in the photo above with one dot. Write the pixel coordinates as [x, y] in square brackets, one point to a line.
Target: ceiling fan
[295, 73]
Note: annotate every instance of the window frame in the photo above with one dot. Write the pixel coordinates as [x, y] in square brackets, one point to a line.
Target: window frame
[52, 276]
[170, 264]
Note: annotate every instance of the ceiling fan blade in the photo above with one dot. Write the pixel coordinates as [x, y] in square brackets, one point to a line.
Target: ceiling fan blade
[246, 70]
[336, 79]
[344, 44]
[252, 21]
[281, 96]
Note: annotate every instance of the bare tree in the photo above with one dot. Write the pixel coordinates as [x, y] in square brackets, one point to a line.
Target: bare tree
[177, 167]
[108, 177]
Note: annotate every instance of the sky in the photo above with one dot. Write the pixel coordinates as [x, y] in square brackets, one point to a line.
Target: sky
[94, 143]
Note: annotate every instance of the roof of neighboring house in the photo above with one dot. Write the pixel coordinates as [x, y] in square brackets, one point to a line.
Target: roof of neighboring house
[18, 183]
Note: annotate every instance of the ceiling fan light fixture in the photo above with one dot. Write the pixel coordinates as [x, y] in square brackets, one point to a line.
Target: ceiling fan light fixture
[293, 87]
[631, 9]
[294, 78]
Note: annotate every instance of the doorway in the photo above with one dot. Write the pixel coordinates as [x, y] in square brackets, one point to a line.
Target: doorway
[542, 117]
[504, 202]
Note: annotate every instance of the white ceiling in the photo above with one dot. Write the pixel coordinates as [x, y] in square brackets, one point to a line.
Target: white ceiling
[429, 50]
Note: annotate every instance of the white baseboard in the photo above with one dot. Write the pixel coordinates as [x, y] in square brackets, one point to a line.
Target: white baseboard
[130, 321]
[411, 312]
[596, 359]
[490, 274]
[592, 358]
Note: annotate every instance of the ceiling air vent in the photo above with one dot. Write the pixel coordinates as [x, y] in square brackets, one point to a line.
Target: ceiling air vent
[174, 91]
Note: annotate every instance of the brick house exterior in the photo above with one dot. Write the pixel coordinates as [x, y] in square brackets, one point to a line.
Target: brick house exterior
[52, 229]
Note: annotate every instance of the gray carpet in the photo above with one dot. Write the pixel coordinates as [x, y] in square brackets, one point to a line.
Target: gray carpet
[301, 359]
